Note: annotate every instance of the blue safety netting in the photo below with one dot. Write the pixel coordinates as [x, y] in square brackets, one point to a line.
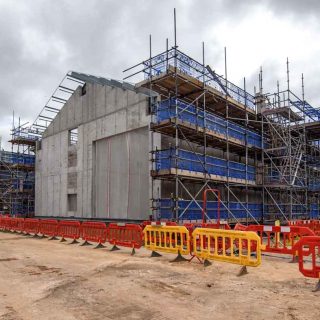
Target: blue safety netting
[185, 112]
[195, 162]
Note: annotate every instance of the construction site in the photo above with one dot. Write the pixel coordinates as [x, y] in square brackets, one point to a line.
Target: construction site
[176, 161]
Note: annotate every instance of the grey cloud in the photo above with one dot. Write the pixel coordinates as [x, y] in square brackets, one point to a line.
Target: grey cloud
[41, 40]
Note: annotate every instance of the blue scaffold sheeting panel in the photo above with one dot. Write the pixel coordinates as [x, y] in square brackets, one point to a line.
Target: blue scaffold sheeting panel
[17, 158]
[314, 211]
[173, 108]
[191, 210]
[194, 162]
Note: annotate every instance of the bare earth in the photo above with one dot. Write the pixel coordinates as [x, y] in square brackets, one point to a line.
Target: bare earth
[41, 279]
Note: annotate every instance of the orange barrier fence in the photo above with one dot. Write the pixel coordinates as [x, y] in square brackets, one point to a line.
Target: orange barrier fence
[277, 239]
[306, 247]
[240, 227]
[31, 226]
[94, 232]
[69, 229]
[5, 223]
[17, 224]
[313, 225]
[125, 235]
[49, 227]
[204, 241]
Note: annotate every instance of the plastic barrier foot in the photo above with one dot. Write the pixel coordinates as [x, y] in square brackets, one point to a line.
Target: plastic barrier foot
[86, 243]
[179, 258]
[206, 263]
[74, 241]
[242, 271]
[99, 246]
[114, 248]
[295, 259]
[36, 236]
[53, 238]
[133, 252]
[63, 240]
[317, 288]
[155, 254]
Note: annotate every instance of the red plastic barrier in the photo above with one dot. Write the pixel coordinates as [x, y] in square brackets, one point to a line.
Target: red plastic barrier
[313, 225]
[309, 246]
[316, 227]
[240, 227]
[219, 225]
[125, 235]
[94, 232]
[49, 227]
[277, 239]
[17, 224]
[5, 223]
[31, 226]
[1, 222]
[69, 229]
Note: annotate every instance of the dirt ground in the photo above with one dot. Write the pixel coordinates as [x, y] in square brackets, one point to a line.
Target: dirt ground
[41, 279]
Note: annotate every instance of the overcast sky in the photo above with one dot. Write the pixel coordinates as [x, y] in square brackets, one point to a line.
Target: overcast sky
[41, 40]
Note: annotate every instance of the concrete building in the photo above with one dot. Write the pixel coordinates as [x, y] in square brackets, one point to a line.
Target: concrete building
[124, 152]
[93, 159]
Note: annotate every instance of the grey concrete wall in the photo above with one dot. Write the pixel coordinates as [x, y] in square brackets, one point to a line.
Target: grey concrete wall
[103, 112]
[121, 188]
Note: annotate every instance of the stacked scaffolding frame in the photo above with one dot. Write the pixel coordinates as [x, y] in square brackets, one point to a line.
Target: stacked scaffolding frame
[176, 77]
[286, 161]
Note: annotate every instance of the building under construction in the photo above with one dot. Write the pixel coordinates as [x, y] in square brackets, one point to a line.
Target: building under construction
[116, 150]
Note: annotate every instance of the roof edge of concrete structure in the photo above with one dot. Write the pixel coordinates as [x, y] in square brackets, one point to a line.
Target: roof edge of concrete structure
[85, 77]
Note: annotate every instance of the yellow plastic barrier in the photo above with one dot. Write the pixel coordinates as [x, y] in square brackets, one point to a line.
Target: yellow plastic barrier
[170, 239]
[227, 246]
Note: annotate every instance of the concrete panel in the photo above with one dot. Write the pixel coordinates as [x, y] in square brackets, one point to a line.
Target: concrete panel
[111, 190]
[111, 100]
[108, 126]
[100, 100]
[91, 102]
[133, 117]
[63, 115]
[121, 181]
[121, 121]
[70, 114]
[78, 106]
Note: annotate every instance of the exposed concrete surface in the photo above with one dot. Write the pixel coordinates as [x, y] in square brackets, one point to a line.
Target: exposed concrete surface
[41, 279]
[64, 171]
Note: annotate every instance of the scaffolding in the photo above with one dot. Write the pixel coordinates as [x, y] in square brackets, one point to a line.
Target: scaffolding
[205, 141]
[260, 151]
